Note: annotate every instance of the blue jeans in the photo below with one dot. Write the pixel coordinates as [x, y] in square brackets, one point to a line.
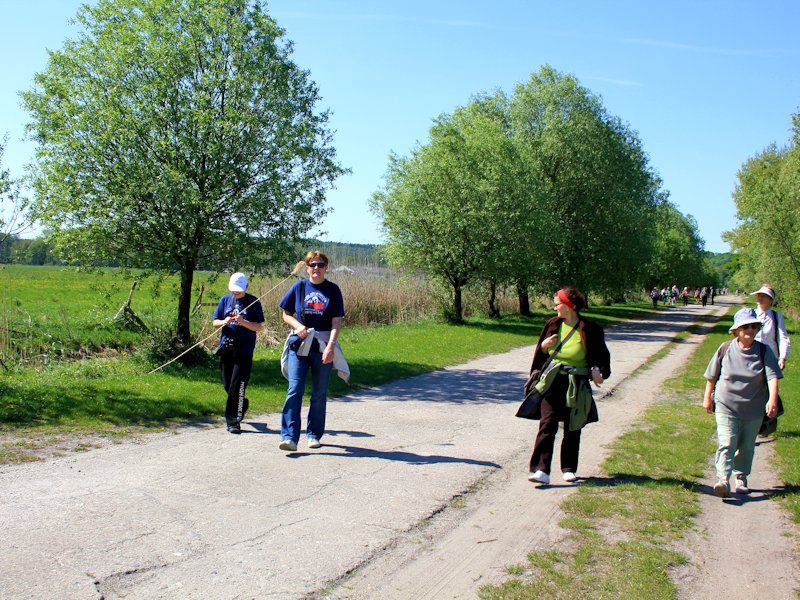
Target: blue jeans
[736, 444]
[320, 375]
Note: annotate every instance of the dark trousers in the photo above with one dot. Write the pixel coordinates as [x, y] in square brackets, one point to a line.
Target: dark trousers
[235, 375]
[555, 411]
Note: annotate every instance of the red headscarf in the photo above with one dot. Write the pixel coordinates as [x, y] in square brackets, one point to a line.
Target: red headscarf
[565, 299]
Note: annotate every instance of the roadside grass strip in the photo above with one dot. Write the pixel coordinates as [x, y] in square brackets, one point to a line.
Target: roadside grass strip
[624, 529]
[787, 438]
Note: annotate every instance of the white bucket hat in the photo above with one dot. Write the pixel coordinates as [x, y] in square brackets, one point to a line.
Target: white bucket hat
[764, 289]
[238, 282]
[743, 316]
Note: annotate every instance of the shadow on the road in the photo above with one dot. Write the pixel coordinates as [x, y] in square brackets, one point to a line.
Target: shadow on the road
[264, 428]
[451, 385]
[756, 495]
[394, 455]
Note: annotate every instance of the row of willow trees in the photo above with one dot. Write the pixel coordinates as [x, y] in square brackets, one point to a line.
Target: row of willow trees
[534, 191]
[766, 242]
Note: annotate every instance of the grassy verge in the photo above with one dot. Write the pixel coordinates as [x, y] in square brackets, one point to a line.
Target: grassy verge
[787, 438]
[623, 530]
[112, 396]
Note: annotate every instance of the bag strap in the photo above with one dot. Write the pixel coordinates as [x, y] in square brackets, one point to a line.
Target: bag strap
[558, 348]
[724, 347]
[775, 327]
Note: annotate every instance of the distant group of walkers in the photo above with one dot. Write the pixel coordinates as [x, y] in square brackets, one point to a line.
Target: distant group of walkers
[570, 355]
[670, 296]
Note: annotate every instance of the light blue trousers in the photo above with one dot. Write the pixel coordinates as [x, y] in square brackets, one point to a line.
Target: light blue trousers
[736, 444]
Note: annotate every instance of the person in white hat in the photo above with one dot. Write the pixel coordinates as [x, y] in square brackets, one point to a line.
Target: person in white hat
[241, 317]
[773, 330]
[741, 387]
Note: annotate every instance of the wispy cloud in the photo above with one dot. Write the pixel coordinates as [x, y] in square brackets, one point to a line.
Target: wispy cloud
[456, 23]
[623, 82]
[689, 47]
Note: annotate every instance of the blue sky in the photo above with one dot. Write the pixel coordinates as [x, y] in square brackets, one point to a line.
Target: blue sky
[705, 84]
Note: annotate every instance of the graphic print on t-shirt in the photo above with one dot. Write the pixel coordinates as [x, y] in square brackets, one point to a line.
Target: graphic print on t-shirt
[315, 303]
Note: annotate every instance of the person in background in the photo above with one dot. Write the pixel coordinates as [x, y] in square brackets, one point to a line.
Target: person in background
[314, 309]
[654, 296]
[564, 385]
[241, 317]
[742, 385]
[685, 296]
[773, 329]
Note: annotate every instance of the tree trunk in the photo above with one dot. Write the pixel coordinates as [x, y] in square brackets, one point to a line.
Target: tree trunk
[524, 300]
[494, 311]
[458, 310]
[185, 302]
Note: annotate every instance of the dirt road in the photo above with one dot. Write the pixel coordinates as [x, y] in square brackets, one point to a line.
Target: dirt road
[418, 491]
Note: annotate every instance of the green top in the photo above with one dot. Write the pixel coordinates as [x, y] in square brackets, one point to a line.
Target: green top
[572, 353]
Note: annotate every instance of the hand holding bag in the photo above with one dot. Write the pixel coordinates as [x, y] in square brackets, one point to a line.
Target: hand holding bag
[530, 407]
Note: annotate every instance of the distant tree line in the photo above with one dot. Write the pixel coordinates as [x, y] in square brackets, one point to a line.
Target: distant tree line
[15, 250]
[37, 251]
[535, 190]
[766, 243]
[350, 255]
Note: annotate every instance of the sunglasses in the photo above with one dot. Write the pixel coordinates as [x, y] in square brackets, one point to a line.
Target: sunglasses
[317, 265]
[755, 326]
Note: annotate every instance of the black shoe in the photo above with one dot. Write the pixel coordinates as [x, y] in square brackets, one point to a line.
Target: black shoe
[235, 428]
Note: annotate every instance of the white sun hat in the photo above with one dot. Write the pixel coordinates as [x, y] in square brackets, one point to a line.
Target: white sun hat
[238, 282]
[765, 289]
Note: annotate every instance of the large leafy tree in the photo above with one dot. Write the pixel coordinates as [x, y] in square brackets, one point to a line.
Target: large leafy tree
[590, 189]
[447, 209]
[679, 258]
[175, 134]
[767, 239]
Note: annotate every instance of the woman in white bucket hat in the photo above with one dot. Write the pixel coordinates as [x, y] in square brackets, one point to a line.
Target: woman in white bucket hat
[742, 386]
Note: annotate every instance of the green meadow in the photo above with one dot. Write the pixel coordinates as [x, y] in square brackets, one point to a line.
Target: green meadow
[84, 372]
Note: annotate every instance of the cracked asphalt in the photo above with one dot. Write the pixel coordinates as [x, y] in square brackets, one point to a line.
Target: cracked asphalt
[205, 514]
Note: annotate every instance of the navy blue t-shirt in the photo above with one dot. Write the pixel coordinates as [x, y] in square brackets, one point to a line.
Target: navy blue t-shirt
[315, 306]
[244, 339]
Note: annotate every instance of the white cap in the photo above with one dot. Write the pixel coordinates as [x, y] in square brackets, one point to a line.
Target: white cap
[238, 282]
[764, 289]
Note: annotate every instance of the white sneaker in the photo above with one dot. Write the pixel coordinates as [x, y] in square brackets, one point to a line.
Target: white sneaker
[539, 477]
[288, 445]
[569, 476]
[313, 443]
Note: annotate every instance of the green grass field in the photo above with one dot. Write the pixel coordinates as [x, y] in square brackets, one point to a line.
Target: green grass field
[105, 393]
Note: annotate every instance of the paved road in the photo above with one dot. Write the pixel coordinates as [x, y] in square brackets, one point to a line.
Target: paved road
[204, 514]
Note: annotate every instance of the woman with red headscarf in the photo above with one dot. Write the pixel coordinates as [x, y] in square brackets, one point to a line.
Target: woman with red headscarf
[579, 354]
